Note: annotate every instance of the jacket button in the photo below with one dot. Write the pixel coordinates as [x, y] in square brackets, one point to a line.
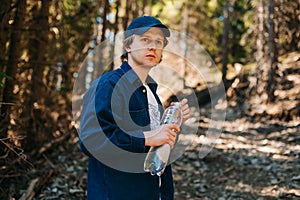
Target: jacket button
[144, 90]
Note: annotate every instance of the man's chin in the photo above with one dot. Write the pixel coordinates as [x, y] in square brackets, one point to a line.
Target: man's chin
[150, 65]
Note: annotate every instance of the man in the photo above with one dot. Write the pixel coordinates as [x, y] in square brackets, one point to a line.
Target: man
[120, 121]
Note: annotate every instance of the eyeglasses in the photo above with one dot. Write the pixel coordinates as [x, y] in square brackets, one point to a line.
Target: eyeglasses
[147, 41]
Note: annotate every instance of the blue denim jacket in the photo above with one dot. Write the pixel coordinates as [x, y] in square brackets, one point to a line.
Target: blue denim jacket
[114, 117]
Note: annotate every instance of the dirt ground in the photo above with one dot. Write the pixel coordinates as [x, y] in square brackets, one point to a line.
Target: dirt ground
[251, 160]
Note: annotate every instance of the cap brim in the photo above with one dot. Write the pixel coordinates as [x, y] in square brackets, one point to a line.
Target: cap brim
[142, 30]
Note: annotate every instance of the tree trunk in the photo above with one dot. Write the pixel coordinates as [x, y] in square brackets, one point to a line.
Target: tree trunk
[12, 64]
[37, 97]
[266, 64]
[272, 52]
[225, 40]
[115, 30]
[126, 18]
[185, 32]
[105, 7]
[39, 51]
[262, 68]
[260, 36]
[4, 35]
[135, 9]
[147, 7]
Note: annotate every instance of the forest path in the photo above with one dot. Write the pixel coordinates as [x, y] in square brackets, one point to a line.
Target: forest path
[251, 160]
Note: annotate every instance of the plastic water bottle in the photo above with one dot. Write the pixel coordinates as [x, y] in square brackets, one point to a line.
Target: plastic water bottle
[157, 157]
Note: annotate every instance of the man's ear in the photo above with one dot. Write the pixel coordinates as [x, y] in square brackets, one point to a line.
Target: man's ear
[128, 49]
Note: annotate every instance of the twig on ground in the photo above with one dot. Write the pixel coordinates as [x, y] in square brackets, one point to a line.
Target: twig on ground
[56, 141]
[35, 185]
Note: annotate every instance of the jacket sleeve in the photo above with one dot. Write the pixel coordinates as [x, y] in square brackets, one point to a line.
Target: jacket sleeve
[167, 187]
[98, 121]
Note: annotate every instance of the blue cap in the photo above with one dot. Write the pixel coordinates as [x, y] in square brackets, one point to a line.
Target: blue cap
[142, 24]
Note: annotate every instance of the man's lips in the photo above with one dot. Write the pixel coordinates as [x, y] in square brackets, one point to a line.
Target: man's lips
[150, 56]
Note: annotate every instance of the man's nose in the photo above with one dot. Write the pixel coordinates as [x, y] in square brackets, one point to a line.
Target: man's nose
[152, 45]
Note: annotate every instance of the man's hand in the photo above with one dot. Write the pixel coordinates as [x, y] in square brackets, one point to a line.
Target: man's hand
[164, 134]
[185, 109]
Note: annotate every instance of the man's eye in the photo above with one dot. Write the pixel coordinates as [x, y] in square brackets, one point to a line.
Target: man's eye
[159, 42]
[145, 39]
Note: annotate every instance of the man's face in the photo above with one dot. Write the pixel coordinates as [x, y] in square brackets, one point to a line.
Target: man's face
[146, 49]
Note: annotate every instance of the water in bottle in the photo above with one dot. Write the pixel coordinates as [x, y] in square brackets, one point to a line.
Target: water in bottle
[157, 157]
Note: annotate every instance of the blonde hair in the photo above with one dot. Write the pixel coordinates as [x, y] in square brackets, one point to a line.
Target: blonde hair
[126, 43]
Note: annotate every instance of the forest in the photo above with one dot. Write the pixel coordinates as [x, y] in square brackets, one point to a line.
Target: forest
[253, 46]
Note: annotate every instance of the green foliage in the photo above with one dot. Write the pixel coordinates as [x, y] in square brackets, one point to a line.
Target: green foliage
[238, 10]
[205, 24]
[3, 76]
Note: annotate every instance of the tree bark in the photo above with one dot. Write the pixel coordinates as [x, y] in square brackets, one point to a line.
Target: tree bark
[115, 30]
[272, 52]
[262, 68]
[38, 52]
[6, 7]
[126, 18]
[185, 31]
[105, 7]
[260, 36]
[147, 7]
[225, 39]
[37, 97]
[12, 64]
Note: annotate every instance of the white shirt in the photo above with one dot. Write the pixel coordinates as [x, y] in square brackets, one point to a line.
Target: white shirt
[153, 109]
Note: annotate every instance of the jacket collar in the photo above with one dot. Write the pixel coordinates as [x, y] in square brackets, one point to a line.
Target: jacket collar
[133, 78]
